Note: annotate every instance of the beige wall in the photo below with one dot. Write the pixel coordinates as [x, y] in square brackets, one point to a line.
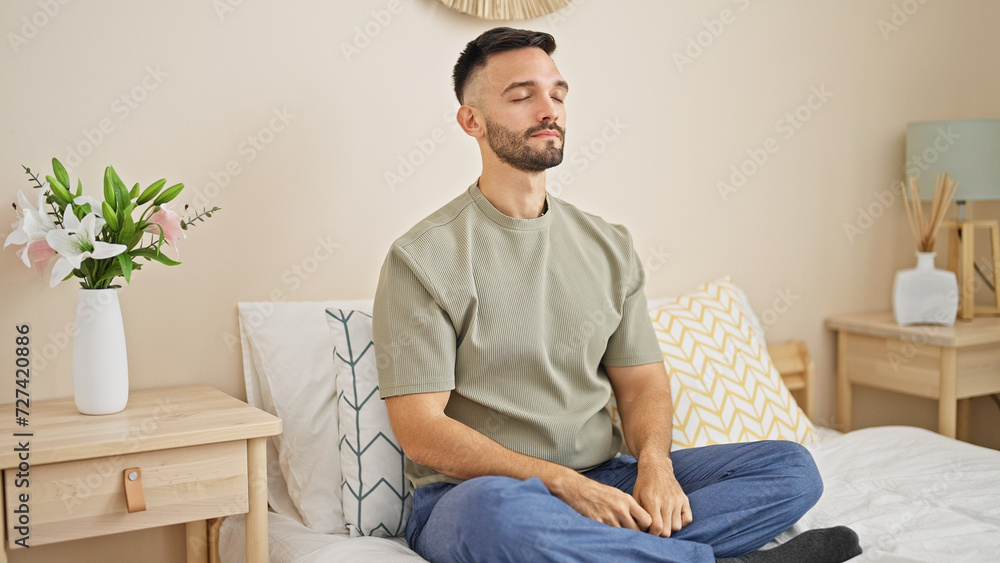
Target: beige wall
[320, 180]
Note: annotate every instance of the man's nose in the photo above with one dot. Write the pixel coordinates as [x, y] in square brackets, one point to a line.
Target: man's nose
[548, 111]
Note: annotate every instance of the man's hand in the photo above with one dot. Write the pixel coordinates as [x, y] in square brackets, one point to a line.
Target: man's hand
[602, 503]
[659, 494]
[643, 394]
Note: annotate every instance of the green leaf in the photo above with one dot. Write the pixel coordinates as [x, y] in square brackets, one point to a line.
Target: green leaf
[79, 187]
[169, 194]
[134, 192]
[136, 239]
[126, 263]
[109, 216]
[159, 239]
[115, 179]
[150, 192]
[60, 172]
[111, 273]
[121, 197]
[128, 224]
[109, 188]
[121, 192]
[59, 190]
[152, 254]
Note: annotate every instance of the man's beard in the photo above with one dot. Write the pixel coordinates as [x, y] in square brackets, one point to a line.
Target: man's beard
[513, 148]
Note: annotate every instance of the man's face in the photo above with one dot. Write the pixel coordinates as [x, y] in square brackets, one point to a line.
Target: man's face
[521, 94]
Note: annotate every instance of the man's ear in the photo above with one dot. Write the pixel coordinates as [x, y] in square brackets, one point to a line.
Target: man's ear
[472, 121]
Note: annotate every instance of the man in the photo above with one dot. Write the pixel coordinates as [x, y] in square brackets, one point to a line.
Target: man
[498, 396]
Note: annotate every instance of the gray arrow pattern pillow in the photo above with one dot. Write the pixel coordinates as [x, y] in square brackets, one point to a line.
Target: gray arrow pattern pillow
[376, 494]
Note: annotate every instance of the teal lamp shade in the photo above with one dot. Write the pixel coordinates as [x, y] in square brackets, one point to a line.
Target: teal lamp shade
[968, 150]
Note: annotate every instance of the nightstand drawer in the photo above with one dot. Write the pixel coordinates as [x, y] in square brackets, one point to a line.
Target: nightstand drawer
[86, 498]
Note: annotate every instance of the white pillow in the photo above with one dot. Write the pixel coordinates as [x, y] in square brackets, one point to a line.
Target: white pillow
[376, 493]
[291, 369]
[277, 491]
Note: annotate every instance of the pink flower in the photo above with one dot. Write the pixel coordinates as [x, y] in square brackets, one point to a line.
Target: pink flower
[170, 223]
[38, 253]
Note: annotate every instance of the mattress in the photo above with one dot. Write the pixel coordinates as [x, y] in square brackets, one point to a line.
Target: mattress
[910, 494]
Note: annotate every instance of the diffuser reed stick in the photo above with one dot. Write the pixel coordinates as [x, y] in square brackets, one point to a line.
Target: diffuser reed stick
[925, 232]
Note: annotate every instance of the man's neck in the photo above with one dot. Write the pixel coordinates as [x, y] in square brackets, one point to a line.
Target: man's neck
[514, 193]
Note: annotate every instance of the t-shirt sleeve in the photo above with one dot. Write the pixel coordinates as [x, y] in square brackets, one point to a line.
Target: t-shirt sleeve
[634, 342]
[415, 343]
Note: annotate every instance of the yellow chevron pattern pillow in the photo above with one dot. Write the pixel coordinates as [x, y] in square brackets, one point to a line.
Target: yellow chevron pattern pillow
[725, 387]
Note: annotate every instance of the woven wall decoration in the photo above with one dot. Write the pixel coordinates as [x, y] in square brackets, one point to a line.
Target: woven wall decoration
[506, 9]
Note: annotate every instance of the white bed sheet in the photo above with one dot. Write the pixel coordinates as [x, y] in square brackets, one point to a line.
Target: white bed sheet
[910, 494]
[291, 542]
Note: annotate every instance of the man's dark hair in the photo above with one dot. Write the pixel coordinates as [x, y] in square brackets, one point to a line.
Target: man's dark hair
[496, 40]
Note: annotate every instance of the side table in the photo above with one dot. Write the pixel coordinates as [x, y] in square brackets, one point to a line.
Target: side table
[180, 454]
[949, 364]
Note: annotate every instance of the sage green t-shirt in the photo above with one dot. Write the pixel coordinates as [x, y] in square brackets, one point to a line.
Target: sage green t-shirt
[517, 318]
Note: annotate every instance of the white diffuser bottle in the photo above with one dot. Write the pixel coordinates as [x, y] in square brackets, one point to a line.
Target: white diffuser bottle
[925, 294]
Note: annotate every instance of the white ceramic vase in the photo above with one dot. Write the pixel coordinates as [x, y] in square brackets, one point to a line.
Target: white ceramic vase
[925, 294]
[100, 363]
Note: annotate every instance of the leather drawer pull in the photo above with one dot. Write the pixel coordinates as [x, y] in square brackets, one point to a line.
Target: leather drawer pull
[135, 499]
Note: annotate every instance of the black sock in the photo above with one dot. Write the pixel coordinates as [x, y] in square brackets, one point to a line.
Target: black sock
[827, 545]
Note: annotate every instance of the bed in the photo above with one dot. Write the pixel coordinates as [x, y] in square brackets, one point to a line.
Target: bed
[337, 493]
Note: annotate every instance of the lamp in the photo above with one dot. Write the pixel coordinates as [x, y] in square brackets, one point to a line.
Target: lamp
[968, 150]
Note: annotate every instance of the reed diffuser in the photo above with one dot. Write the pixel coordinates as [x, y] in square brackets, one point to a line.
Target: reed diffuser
[925, 233]
[925, 294]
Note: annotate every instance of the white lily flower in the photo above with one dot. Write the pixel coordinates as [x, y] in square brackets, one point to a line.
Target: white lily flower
[95, 206]
[33, 225]
[76, 242]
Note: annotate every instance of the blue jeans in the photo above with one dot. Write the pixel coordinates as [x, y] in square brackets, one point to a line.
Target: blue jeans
[741, 495]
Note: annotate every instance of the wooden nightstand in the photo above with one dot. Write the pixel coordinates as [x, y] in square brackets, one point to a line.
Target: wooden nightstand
[949, 364]
[201, 455]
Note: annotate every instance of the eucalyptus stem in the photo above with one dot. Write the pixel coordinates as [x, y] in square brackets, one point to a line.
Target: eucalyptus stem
[201, 216]
[56, 216]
